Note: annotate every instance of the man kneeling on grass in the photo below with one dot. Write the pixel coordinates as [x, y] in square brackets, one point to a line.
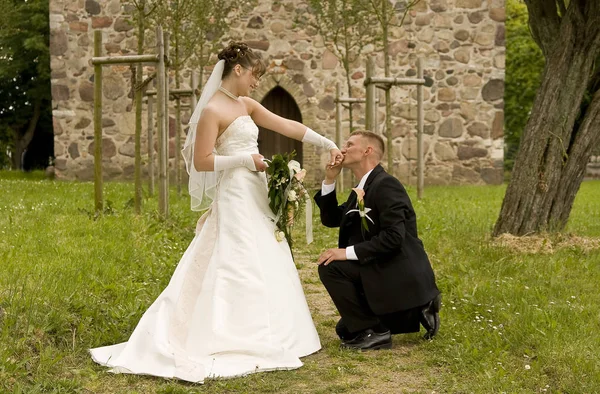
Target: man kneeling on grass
[380, 278]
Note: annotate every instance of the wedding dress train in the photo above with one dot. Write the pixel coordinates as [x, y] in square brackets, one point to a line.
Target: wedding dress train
[235, 304]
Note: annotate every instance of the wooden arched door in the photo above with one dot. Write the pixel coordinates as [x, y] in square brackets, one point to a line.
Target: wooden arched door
[280, 102]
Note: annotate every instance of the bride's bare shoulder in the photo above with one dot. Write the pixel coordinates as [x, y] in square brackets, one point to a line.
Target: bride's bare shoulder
[249, 103]
[211, 111]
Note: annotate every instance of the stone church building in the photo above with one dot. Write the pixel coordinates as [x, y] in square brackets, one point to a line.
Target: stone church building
[461, 41]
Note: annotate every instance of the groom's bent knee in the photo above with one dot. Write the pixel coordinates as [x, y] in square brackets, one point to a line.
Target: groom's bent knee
[327, 272]
[323, 271]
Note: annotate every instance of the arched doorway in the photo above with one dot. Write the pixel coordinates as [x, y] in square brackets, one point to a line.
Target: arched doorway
[280, 102]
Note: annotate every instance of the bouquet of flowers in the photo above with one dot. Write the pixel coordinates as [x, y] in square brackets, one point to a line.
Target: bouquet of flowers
[287, 194]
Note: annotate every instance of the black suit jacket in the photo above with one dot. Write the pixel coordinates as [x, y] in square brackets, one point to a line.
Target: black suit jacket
[395, 271]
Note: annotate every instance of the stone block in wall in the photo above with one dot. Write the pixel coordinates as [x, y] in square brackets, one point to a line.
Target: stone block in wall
[409, 147]
[128, 148]
[330, 61]
[101, 22]
[498, 14]
[438, 175]
[92, 7]
[107, 122]
[499, 38]
[404, 172]
[74, 150]
[83, 123]
[469, 3]
[79, 26]
[59, 149]
[86, 91]
[462, 174]
[123, 24]
[438, 5]
[492, 176]
[479, 129]
[468, 110]
[462, 55]
[446, 94]
[466, 152]
[60, 92]
[498, 125]
[475, 17]
[109, 149]
[493, 90]
[451, 128]
[113, 86]
[111, 170]
[262, 45]
[58, 42]
[444, 152]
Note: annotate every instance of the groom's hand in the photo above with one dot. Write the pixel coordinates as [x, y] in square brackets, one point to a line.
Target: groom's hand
[331, 255]
[332, 172]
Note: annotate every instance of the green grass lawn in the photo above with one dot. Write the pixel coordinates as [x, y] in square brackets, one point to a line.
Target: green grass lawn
[512, 321]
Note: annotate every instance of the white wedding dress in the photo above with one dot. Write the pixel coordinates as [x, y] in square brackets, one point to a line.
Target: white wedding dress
[235, 304]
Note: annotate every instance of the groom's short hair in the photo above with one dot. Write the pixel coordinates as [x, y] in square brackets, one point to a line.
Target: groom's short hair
[374, 139]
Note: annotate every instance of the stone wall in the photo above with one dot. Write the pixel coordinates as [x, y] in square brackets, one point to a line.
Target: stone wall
[593, 168]
[461, 42]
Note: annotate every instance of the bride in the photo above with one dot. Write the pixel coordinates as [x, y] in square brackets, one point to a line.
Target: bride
[235, 304]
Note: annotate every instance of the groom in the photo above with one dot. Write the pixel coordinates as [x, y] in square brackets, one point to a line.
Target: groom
[380, 278]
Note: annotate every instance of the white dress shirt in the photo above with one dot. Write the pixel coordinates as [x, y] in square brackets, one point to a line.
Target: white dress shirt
[326, 189]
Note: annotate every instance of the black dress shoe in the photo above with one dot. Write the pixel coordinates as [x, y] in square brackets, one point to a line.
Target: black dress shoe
[430, 317]
[342, 331]
[370, 340]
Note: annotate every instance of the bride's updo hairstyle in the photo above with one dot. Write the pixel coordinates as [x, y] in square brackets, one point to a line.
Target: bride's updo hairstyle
[240, 53]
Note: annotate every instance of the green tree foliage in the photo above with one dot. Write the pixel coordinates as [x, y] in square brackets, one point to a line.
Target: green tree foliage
[524, 66]
[25, 98]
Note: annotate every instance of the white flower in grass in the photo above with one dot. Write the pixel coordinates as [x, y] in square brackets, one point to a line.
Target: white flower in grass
[527, 366]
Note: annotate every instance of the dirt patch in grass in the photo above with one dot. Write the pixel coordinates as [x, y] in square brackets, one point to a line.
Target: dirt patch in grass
[546, 243]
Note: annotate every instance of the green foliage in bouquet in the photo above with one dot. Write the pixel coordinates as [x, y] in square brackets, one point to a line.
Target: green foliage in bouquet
[286, 191]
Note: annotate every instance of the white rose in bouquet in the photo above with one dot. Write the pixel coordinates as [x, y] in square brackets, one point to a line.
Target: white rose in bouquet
[294, 167]
[292, 196]
[279, 236]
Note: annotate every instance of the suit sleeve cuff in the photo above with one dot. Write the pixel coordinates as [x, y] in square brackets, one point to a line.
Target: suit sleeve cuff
[350, 253]
[326, 189]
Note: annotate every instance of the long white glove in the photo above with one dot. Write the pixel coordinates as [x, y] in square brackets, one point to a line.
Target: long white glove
[316, 139]
[226, 162]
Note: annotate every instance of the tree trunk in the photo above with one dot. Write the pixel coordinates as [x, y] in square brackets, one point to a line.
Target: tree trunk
[22, 141]
[553, 153]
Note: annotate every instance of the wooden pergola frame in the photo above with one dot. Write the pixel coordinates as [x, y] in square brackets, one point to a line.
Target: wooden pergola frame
[161, 60]
[386, 83]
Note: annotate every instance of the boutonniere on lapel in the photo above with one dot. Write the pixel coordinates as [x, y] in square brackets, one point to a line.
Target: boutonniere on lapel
[361, 209]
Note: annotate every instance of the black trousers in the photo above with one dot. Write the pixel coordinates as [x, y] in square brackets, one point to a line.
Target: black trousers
[343, 283]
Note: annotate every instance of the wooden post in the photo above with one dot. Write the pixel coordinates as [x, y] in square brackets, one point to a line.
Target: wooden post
[160, 123]
[99, 204]
[166, 130]
[150, 146]
[338, 132]
[177, 122]
[194, 86]
[137, 174]
[371, 110]
[420, 121]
